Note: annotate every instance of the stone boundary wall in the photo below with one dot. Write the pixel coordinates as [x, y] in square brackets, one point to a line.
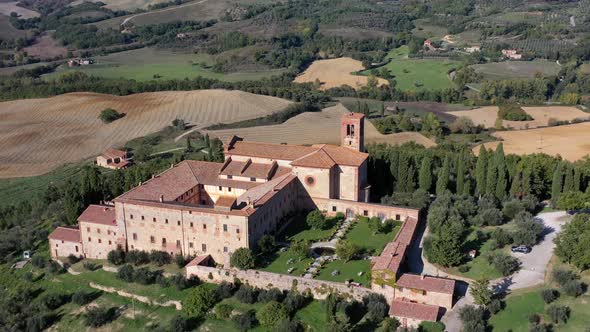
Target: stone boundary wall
[366, 209]
[143, 299]
[319, 289]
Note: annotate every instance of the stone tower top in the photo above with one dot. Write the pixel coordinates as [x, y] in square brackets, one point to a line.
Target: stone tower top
[352, 131]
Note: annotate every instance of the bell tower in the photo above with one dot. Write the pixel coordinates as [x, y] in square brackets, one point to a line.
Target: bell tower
[352, 131]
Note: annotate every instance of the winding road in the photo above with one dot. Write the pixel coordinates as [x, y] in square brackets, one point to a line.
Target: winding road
[162, 10]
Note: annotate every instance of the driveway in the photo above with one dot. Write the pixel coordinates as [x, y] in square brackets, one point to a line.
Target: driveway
[532, 272]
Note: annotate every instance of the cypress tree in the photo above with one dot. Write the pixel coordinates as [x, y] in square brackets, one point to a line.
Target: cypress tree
[382, 109]
[467, 186]
[425, 174]
[402, 173]
[526, 181]
[492, 174]
[411, 184]
[442, 181]
[460, 175]
[516, 186]
[568, 185]
[502, 181]
[480, 170]
[577, 179]
[207, 142]
[557, 183]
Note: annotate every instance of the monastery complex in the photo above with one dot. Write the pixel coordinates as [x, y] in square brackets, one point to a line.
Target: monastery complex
[208, 210]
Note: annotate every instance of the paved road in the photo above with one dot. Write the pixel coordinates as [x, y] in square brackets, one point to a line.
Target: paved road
[532, 272]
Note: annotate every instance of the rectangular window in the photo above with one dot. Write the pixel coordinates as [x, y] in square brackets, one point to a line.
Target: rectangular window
[224, 227]
[365, 213]
[220, 188]
[190, 245]
[253, 179]
[163, 242]
[204, 226]
[142, 218]
[134, 236]
[230, 177]
[397, 217]
[88, 229]
[154, 219]
[110, 242]
[229, 189]
[89, 239]
[333, 209]
[203, 247]
[224, 249]
[191, 224]
[177, 243]
[108, 232]
[130, 216]
[57, 245]
[76, 248]
[178, 222]
[237, 231]
[166, 221]
[152, 239]
[98, 230]
[99, 241]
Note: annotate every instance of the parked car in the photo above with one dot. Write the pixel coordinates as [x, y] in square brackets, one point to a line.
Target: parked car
[521, 249]
[27, 254]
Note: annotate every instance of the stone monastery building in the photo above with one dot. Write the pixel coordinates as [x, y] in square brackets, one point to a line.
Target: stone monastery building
[197, 207]
[209, 210]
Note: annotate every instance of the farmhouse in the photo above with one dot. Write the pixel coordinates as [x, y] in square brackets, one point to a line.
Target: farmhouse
[113, 159]
[512, 54]
[473, 49]
[208, 210]
[80, 62]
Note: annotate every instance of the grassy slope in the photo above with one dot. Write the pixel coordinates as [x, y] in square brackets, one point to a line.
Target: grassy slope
[360, 233]
[143, 64]
[516, 69]
[418, 74]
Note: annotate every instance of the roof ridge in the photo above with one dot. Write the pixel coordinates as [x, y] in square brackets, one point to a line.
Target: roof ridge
[193, 172]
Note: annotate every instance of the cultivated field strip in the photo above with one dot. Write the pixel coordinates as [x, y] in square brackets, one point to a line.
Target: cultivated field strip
[319, 127]
[37, 135]
[571, 142]
[336, 72]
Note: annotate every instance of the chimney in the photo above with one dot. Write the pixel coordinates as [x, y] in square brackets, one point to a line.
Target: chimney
[161, 198]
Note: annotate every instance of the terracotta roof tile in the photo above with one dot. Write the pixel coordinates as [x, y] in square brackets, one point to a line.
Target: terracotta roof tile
[114, 153]
[248, 169]
[198, 260]
[427, 283]
[418, 311]
[394, 253]
[225, 201]
[352, 115]
[317, 159]
[66, 234]
[99, 214]
[340, 155]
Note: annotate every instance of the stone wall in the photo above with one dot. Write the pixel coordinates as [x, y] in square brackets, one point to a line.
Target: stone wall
[320, 289]
[143, 299]
[60, 248]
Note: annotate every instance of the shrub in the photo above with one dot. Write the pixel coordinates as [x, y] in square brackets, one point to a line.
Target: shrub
[109, 115]
[495, 306]
[504, 263]
[53, 267]
[126, 272]
[246, 294]
[273, 294]
[300, 249]
[223, 311]
[463, 268]
[116, 257]
[271, 314]
[562, 276]
[81, 297]
[511, 208]
[145, 277]
[160, 258]
[267, 244]
[91, 266]
[137, 257]
[389, 324]
[73, 259]
[502, 237]
[294, 301]
[225, 290]
[573, 288]
[316, 220]
[179, 260]
[539, 328]
[53, 301]
[534, 319]
[549, 295]
[38, 261]
[558, 314]
[243, 259]
[98, 316]
[245, 321]
[199, 301]
[513, 113]
[179, 324]
[287, 325]
[491, 217]
[346, 250]
[180, 282]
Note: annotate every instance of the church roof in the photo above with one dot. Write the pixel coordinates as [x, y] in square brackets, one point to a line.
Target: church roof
[66, 234]
[340, 155]
[99, 214]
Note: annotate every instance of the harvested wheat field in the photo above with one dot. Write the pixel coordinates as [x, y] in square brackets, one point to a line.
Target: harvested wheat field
[38, 135]
[334, 73]
[572, 142]
[319, 127]
[541, 115]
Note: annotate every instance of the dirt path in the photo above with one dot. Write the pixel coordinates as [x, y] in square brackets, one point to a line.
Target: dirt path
[162, 10]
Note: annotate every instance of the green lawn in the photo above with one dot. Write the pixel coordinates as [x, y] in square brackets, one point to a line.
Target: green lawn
[418, 74]
[362, 236]
[299, 230]
[478, 267]
[148, 63]
[279, 264]
[516, 69]
[348, 270]
[519, 306]
[313, 317]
